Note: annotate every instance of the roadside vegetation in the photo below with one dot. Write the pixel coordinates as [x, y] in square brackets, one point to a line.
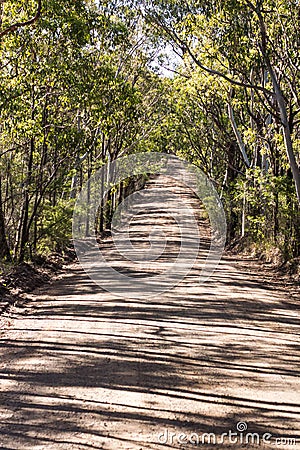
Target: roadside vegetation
[85, 82]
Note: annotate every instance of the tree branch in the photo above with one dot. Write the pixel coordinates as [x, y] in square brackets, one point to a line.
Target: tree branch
[17, 25]
[181, 43]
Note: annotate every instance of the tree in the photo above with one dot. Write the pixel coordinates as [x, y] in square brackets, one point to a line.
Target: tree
[76, 92]
[19, 24]
[237, 39]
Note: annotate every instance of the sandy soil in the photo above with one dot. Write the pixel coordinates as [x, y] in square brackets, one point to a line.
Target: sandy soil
[84, 369]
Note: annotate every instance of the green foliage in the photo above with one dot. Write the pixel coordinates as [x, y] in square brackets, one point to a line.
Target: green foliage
[78, 89]
[55, 227]
[75, 92]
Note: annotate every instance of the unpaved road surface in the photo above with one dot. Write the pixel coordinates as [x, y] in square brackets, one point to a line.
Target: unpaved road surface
[84, 369]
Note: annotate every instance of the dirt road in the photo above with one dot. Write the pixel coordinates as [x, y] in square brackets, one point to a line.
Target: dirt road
[84, 369]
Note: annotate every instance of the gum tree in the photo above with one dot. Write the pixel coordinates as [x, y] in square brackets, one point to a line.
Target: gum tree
[250, 45]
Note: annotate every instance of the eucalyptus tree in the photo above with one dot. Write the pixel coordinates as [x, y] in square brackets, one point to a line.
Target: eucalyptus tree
[42, 84]
[76, 91]
[12, 18]
[249, 45]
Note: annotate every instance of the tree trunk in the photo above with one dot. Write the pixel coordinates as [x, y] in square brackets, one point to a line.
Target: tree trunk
[286, 133]
[4, 248]
[24, 236]
[238, 135]
[282, 107]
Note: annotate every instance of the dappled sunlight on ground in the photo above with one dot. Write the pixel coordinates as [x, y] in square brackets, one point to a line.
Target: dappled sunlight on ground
[83, 369]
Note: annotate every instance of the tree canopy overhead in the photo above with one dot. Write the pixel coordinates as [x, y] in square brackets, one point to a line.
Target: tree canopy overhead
[81, 84]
